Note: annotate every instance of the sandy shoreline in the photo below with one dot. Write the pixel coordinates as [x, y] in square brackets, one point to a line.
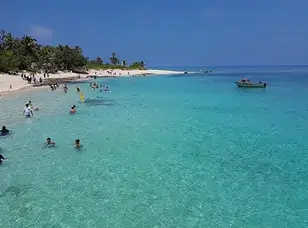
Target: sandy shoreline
[14, 83]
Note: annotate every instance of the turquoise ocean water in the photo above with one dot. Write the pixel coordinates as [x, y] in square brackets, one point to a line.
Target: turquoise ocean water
[165, 151]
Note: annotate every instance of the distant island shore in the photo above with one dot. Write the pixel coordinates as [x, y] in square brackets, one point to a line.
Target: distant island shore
[23, 57]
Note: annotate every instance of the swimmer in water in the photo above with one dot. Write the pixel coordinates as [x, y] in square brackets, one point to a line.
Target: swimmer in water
[49, 143]
[4, 131]
[77, 144]
[73, 109]
[78, 90]
[1, 158]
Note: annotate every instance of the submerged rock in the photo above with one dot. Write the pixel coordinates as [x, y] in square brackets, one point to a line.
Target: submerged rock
[15, 190]
[99, 102]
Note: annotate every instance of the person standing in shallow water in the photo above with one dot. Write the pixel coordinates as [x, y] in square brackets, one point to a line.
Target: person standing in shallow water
[27, 111]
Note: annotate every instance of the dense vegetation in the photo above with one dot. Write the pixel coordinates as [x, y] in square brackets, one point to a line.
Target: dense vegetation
[24, 53]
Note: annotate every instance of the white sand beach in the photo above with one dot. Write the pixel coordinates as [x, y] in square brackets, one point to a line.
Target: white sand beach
[130, 73]
[9, 83]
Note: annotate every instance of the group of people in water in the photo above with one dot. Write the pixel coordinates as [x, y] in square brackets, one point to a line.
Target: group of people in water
[28, 112]
[53, 87]
[102, 87]
[50, 143]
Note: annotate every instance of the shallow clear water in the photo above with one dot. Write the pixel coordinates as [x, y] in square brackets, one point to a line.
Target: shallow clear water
[171, 151]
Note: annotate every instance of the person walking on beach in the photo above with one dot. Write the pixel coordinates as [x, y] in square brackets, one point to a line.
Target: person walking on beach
[27, 111]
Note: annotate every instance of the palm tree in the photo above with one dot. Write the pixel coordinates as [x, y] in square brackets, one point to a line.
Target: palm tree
[78, 50]
[142, 64]
[27, 52]
[29, 45]
[99, 60]
[113, 59]
[48, 58]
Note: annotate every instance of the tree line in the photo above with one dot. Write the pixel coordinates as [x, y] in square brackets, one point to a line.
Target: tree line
[24, 53]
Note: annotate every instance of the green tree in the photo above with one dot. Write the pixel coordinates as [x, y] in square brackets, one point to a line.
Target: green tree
[24, 53]
[99, 60]
[114, 59]
[8, 61]
[27, 52]
[48, 59]
[138, 65]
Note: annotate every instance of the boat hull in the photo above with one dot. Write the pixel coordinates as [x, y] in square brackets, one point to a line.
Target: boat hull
[251, 85]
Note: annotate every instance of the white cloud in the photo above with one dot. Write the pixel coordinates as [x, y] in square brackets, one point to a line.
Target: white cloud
[40, 32]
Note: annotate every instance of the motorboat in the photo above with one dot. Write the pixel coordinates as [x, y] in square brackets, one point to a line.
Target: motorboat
[249, 84]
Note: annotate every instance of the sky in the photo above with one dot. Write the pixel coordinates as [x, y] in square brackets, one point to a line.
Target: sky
[169, 32]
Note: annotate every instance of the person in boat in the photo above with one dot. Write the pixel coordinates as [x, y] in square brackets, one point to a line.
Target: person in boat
[1, 158]
[27, 111]
[4, 131]
[49, 143]
[73, 109]
[77, 144]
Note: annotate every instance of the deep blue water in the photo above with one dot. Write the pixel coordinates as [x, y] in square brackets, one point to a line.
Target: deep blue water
[164, 151]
